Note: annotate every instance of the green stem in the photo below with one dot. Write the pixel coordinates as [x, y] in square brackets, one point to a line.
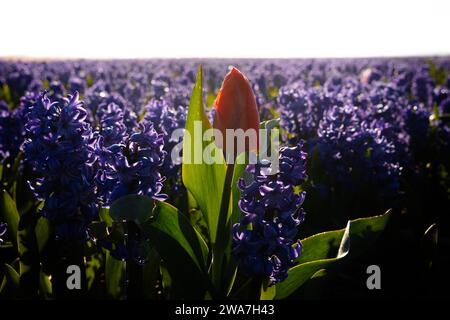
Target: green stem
[134, 270]
[223, 233]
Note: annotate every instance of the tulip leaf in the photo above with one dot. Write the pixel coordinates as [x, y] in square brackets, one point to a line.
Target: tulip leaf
[9, 211]
[203, 177]
[180, 247]
[133, 207]
[323, 250]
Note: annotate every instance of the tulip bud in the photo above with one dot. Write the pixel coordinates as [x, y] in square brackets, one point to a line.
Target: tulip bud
[236, 109]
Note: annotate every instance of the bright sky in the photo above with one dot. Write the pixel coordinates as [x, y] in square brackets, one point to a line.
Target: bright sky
[227, 28]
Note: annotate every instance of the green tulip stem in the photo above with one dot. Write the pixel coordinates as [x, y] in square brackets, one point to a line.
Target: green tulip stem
[223, 232]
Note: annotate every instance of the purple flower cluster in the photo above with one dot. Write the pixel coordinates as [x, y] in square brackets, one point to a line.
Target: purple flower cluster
[302, 110]
[81, 169]
[60, 147]
[131, 166]
[356, 152]
[11, 131]
[264, 241]
[168, 117]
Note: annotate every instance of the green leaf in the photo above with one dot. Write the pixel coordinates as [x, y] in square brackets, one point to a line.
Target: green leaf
[320, 246]
[105, 217]
[11, 283]
[210, 98]
[42, 231]
[267, 292]
[9, 211]
[203, 180]
[45, 286]
[301, 273]
[94, 260]
[28, 250]
[114, 276]
[323, 250]
[131, 208]
[11, 275]
[181, 248]
[170, 224]
[5, 94]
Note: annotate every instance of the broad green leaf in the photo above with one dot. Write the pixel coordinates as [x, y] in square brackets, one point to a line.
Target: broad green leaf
[9, 211]
[131, 208]
[114, 276]
[325, 245]
[170, 224]
[320, 246]
[181, 248]
[301, 273]
[11, 275]
[42, 231]
[325, 249]
[196, 218]
[203, 180]
[11, 283]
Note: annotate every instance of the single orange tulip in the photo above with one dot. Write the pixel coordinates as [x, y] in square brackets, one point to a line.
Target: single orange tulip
[236, 109]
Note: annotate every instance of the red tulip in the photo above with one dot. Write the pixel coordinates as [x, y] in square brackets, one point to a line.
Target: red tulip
[236, 109]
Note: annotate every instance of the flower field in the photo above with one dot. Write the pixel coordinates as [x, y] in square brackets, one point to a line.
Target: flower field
[94, 204]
